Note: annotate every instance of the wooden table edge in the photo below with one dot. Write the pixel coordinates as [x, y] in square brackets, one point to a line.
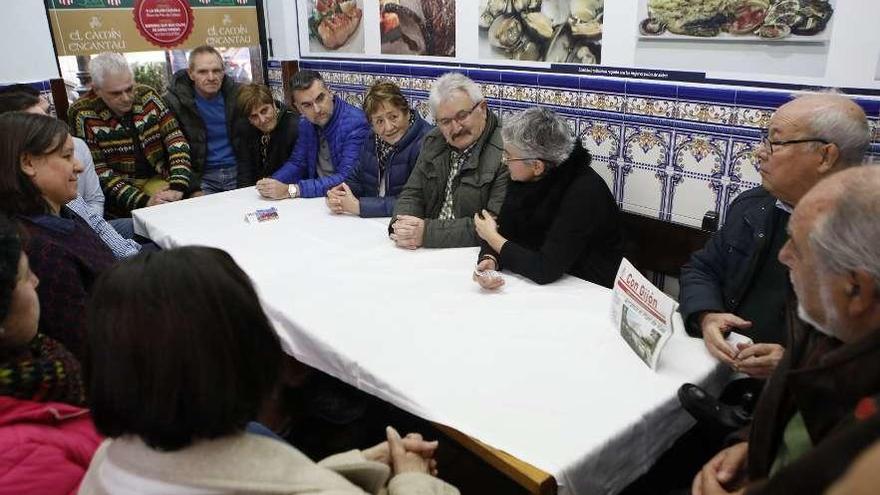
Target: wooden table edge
[526, 475]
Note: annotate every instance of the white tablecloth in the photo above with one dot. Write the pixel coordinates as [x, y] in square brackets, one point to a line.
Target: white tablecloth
[536, 371]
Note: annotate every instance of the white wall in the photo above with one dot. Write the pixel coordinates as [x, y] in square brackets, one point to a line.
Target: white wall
[848, 59]
[27, 44]
[282, 28]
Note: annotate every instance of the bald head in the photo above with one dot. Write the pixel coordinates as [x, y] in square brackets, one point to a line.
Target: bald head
[808, 139]
[836, 119]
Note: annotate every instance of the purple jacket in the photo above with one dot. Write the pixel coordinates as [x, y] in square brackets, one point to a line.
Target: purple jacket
[345, 133]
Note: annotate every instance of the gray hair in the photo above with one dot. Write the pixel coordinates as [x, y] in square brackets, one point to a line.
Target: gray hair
[449, 83]
[539, 133]
[838, 119]
[847, 238]
[105, 64]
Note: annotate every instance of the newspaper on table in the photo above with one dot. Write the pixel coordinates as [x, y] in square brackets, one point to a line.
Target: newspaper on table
[643, 313]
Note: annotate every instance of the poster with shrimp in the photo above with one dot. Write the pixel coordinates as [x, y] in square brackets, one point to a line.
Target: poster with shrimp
[334, 25]
[555, 31]
[736, 20]
[417, 27]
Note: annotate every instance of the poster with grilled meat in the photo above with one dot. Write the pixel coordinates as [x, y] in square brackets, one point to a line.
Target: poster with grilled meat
[335, 25]
[556, 31]
[417, 27]
[736, 20]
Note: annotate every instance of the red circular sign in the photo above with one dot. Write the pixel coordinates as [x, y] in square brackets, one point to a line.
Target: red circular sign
[164, 23]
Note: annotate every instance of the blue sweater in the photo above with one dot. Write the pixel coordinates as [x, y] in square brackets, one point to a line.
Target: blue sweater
[345, 133]
[213, 113]
[364, 181]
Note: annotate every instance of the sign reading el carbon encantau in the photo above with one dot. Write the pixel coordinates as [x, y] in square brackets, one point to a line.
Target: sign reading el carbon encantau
[86, 27]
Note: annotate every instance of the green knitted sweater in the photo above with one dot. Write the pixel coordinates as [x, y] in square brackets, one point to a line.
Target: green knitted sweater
[113, 149]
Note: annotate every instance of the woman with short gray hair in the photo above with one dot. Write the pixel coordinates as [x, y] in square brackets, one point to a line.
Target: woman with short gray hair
[559, 215]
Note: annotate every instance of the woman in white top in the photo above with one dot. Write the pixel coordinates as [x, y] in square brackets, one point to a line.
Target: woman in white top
[181, 358]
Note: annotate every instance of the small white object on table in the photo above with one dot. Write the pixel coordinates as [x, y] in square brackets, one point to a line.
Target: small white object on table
[535, 371]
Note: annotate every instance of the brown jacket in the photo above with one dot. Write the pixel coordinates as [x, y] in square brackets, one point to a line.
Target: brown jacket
[253, 464]
[824, 379]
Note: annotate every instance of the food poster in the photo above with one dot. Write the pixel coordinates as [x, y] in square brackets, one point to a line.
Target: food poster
[555, 31]
[335, 25]
[736, 20]
[417, 27]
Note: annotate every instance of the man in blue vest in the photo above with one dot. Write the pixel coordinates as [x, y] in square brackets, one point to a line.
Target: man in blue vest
[331, 133]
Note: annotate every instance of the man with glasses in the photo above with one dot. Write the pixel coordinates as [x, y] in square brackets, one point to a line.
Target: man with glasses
[458, 172]
[736, 283]
[331, 133]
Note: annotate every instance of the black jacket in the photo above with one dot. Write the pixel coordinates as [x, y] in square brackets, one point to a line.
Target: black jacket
[180, 96]
[282, 139]
[566, 222]
[824, 380]
[717, 277]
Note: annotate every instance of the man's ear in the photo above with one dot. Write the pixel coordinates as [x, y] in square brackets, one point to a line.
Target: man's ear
[862, 292]
[830, 156]
[540, 168]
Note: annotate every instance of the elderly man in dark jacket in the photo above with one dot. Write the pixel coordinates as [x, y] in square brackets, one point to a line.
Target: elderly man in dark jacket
[458, 173]
[204, 100]
[736, 283]
[806, 426]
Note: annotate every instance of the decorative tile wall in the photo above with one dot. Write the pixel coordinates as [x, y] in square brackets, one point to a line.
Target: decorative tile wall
[670, 151]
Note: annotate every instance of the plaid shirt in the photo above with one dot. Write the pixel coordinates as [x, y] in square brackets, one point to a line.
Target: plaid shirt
[121, 247]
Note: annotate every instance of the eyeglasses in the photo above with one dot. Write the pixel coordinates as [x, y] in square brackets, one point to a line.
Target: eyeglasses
[506, 159]
[768, 144]
[460, 117]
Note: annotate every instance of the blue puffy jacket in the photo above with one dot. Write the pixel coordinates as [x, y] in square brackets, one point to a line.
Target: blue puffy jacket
[364, 181]
[345, 133]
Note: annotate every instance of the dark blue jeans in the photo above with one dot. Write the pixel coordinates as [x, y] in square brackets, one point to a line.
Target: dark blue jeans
[215, 180]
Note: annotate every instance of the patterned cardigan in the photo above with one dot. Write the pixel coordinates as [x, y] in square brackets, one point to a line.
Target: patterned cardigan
[113, 149]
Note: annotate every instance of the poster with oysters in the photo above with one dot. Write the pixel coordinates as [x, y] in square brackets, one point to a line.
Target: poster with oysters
[334, 25]
[417, 27]
[555, 31]
[736, 20]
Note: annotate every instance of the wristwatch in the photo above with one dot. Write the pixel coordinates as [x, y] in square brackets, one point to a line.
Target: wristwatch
[292, 190]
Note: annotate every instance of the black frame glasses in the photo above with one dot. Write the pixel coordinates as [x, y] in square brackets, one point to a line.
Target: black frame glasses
[460, 117]
[768, 144]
